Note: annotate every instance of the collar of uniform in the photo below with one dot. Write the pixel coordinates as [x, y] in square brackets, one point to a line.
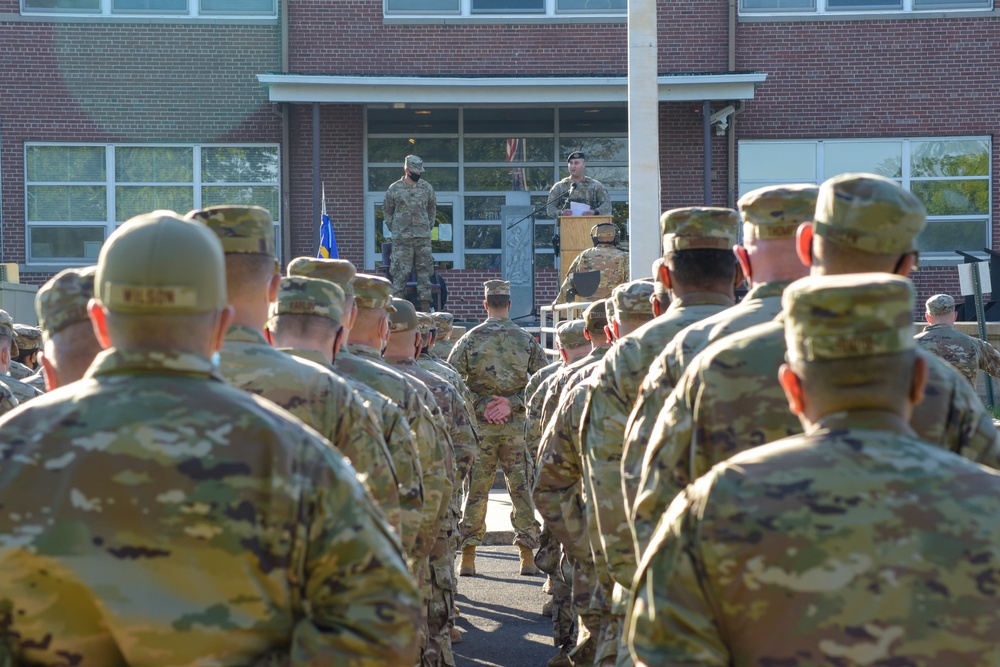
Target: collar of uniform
[308, 355]
[363, 350]
[240, 333]
[400, 361]
[115, 360]
[497, 319]
[938, 327]
[765, 290]
[862, 420]
[700, 299]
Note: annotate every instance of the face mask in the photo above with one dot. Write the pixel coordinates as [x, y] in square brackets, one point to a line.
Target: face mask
[413, 177]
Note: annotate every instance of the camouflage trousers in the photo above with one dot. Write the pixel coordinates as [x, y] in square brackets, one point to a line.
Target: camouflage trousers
[511, 453]
[589, 628]
[409, 254]
[440, 605]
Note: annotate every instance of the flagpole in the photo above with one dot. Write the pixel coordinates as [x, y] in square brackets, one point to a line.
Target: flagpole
[323, 205]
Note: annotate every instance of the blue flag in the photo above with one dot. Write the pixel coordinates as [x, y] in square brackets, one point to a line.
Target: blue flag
[327, 241]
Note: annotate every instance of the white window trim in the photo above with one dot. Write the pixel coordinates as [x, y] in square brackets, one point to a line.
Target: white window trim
[550, 11]
[107, 10]
[111, 222]
[822, 9]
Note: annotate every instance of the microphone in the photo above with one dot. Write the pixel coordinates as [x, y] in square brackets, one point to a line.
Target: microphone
[569, 193]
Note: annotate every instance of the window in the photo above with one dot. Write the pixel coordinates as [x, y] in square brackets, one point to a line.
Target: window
[857, 6]
[468, 8]
[482, 159]
[951, 176]
[152, 8]
[75, 195]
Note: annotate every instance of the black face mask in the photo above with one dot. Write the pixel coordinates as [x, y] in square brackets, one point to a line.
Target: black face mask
[413, 177]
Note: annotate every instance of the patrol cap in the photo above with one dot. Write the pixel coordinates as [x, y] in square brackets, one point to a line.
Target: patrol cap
[27, 337]
[576, 155]
[63, 300]
[242, 229]
[776, 211]
[869, 213]
[299, 295]
[570, 334]
[497, 287]
[338, 271]
[443, 322]
[7, 325]
[403, 317]
[630, 301]
[159, 263]
[414, 163]
[424, 322]
[595, 315]
[848, 316]
[604, 232]
[372, 292]
[940, 304]
[695, 227]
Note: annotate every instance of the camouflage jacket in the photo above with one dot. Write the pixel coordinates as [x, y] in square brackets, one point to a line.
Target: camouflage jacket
[611, 261]
[496, 358]
[410, 209]
[402, 452]
[442, 349]
[7, 400]
[609, 404]
[567, 377]
[969, 355]
[157, 515]
[364, 362]
[447, 371]
[533, 405]
[729, 401]
[856, 544]
[589, 191]
[19, 371]
[21, 391]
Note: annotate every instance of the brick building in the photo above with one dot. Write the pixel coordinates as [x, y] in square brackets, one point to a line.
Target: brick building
[115, 107]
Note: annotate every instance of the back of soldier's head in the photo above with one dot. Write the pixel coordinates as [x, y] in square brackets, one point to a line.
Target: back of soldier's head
[697, 245]
[373, 297]
[605, 233]
[595, 316]
[570, 337]
[497, 293]
[247, 237]
[67, 333]
[629, 302]
[307, 309]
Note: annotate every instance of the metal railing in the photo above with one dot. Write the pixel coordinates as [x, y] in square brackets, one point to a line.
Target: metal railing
[550, 318]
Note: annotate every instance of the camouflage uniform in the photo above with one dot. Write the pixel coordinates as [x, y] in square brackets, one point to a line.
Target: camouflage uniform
[20, 391]
[232, 534]
[445, 323]
[969, 355]
[589, 191]
[861, 543]
[496, 358]
[19, 371]
[410, 210]
[611, 261]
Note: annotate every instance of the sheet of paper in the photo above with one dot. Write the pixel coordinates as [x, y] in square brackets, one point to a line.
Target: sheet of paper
[444, 232]
[577, 208]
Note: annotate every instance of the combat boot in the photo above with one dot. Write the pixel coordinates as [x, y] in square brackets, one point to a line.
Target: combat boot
[561, 660]
[456, 635]
[467, 565]
[527, 560]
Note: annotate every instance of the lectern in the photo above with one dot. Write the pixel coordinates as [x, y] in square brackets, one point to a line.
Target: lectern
[574, 238]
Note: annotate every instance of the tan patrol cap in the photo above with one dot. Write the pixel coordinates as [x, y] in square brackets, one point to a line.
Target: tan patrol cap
[414, 163]
[299, 295]
[776, 211]
[848, 316]
[940, 304]
[242, 229]
[569, 334]
[699, 227]
[27, 337]
[869, 213]
[424, 322]
[372, 292]
[497, 287]
[158, 263]
[630, 301]
[596, 315]
[444, 322]
[403, 317]
[338, 271]
[63, 300]
[7, 327]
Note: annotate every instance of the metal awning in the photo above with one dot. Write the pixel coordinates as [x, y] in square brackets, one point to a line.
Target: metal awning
[310, 88]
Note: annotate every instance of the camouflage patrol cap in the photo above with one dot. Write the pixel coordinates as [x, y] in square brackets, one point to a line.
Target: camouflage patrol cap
[425, 323]
[403, 316]
[869, 213]
[414, 163]
[694, 227]
[940, 304]
[299, 295]
[443, 322]
[497, 287]
[159, 263]
[776, 211]
[569, 334]
[630, 301]
[596, 315]
[848, 316]
[604, 232]
[27, 337]
[372, 291]
[338, 271]
[62, 301]
[6, 324]
[242, 229]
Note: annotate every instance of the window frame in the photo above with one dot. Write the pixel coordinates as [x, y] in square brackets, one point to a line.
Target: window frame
[466, 10]
[911, 7]
[106, 9]
[111, 183]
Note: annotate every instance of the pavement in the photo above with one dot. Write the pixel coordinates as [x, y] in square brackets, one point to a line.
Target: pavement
[498, 527]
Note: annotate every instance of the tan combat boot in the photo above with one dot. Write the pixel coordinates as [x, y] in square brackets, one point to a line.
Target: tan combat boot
[527, 560]
[467, 565]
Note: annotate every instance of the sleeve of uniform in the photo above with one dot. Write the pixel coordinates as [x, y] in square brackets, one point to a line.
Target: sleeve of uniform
[552, 208]
[408, 474]
[653, 394]
[603, 198]
[459, 358]
[989, 358]
[360, 605]
[7, 400]
[438, 484]
[671, 621]
[536, 358]
[431, 206]
[389, 207]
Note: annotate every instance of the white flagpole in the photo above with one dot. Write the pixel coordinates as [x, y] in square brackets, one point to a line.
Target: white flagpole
[323, 212]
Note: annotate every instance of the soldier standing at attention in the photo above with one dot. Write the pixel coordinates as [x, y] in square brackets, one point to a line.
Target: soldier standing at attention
[578, 187]
[853, 543]
[969, 355]
[70, 344]
[156, 515]
[496, 359]
[410, 209]
[605, 257]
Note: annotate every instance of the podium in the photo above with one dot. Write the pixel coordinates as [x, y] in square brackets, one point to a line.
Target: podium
[574, 238]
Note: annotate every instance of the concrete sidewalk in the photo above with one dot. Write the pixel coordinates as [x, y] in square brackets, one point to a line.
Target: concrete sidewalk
[498, 528]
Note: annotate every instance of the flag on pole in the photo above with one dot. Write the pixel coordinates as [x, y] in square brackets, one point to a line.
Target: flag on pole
[515, 153]
[327, 241]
